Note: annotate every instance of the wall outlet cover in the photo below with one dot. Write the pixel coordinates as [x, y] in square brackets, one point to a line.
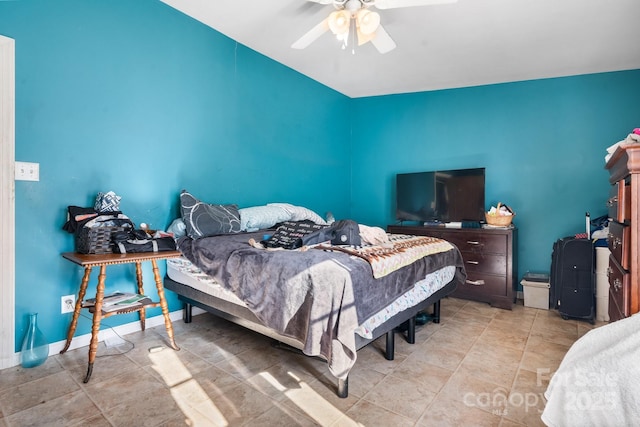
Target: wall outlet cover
[67, 304]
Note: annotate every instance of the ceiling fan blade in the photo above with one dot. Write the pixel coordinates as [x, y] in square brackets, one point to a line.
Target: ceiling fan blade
[321, 1]
[383, 41]
[312, 35]
[394, 4]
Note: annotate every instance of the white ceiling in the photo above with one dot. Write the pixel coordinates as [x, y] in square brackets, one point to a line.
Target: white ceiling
[468, 43]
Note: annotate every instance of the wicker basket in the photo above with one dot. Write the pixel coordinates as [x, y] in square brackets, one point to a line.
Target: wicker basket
[96, 240]
[499, 220]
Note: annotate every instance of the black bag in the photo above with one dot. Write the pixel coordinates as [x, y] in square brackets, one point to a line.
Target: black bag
[343, 232]
[136, 241]
[346, 232]
[295, 234]
[289, 235]
[93, 230]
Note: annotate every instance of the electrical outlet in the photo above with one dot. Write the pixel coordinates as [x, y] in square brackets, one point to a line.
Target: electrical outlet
[67, 304]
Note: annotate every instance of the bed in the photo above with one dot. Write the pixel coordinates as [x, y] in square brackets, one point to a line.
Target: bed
[598, 380]
[325, 301]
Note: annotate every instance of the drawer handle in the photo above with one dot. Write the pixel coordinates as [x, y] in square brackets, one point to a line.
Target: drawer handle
[473, 242]
[617, 284]
[612, 201]
[475, 282]
[616, 242]
[473, 262]
[609, 271]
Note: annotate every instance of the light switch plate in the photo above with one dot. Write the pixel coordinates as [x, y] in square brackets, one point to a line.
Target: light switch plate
[26, 171]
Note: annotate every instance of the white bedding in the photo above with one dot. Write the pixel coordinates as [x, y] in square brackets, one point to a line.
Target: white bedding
[183, 271]
[598, 381]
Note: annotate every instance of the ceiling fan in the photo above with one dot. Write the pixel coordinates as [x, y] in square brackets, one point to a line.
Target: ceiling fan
[366, 23]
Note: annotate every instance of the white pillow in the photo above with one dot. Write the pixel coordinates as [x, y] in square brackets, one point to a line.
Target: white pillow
[259, 217]
[178, 228]
[299, 213]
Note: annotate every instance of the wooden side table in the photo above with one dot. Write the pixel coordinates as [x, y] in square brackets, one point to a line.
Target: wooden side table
[102, 261]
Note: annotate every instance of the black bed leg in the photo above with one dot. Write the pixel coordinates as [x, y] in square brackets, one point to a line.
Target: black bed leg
[436, 312]
[389, 353]
[187, 312]
[343, 388]
[411, 331]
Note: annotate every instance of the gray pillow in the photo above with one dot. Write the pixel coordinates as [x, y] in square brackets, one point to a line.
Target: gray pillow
[203, 219]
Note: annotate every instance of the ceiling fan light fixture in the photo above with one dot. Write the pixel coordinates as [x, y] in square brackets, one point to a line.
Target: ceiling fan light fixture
[339, 22]
[368, 22]
[364, 38]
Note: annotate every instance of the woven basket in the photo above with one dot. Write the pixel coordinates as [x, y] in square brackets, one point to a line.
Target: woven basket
[499, 220]
[96, 240]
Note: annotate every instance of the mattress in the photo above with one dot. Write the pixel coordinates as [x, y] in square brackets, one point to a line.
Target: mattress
[183, 271]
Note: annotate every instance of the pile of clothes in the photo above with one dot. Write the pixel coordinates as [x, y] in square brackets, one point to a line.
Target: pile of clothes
[632, 138]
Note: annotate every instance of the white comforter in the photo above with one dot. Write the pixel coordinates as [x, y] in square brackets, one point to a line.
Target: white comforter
[598, 381]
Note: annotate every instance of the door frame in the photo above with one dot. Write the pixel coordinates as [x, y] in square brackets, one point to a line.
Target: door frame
[8, 356]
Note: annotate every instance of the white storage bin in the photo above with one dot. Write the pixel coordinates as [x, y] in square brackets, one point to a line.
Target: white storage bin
[536, 294]
[602, 284]
[602, 309]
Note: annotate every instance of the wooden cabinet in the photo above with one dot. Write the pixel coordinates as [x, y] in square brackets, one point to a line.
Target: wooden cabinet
[489, 257]
[623, 239]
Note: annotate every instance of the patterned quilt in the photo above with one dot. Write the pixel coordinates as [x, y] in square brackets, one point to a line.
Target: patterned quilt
[402, 250]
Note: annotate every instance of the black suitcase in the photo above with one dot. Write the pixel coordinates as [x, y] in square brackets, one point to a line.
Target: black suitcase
[572, 288]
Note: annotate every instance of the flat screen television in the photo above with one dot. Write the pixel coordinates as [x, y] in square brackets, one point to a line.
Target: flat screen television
[441, 196]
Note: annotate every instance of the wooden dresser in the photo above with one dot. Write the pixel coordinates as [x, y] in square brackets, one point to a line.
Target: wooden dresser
[489, 257]
[623, 239]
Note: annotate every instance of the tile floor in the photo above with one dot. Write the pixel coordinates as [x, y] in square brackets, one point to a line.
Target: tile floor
[480, 366]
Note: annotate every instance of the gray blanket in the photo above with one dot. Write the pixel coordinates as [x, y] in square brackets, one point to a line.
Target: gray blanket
[316, 297]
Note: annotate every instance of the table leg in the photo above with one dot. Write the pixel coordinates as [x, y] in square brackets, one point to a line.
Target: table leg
[163, 304]
[97, 316]
[78, 308]
[143, 311]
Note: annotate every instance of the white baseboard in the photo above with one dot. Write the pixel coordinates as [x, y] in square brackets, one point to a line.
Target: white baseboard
[122, 330]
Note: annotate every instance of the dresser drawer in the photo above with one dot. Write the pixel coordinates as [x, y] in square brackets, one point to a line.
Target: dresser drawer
[467, 240]
[619, 202]
[482, 286]
[619, 286]
[479, 243]
[615, 312]
[484, 263]
[619, 241]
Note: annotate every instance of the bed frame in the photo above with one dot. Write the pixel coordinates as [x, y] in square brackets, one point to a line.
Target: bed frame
[244, 317]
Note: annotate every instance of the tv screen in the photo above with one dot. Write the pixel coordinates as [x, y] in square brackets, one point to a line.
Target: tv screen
[441, 196]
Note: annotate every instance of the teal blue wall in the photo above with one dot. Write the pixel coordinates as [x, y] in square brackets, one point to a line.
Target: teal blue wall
[542, 143]
[135, 97]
